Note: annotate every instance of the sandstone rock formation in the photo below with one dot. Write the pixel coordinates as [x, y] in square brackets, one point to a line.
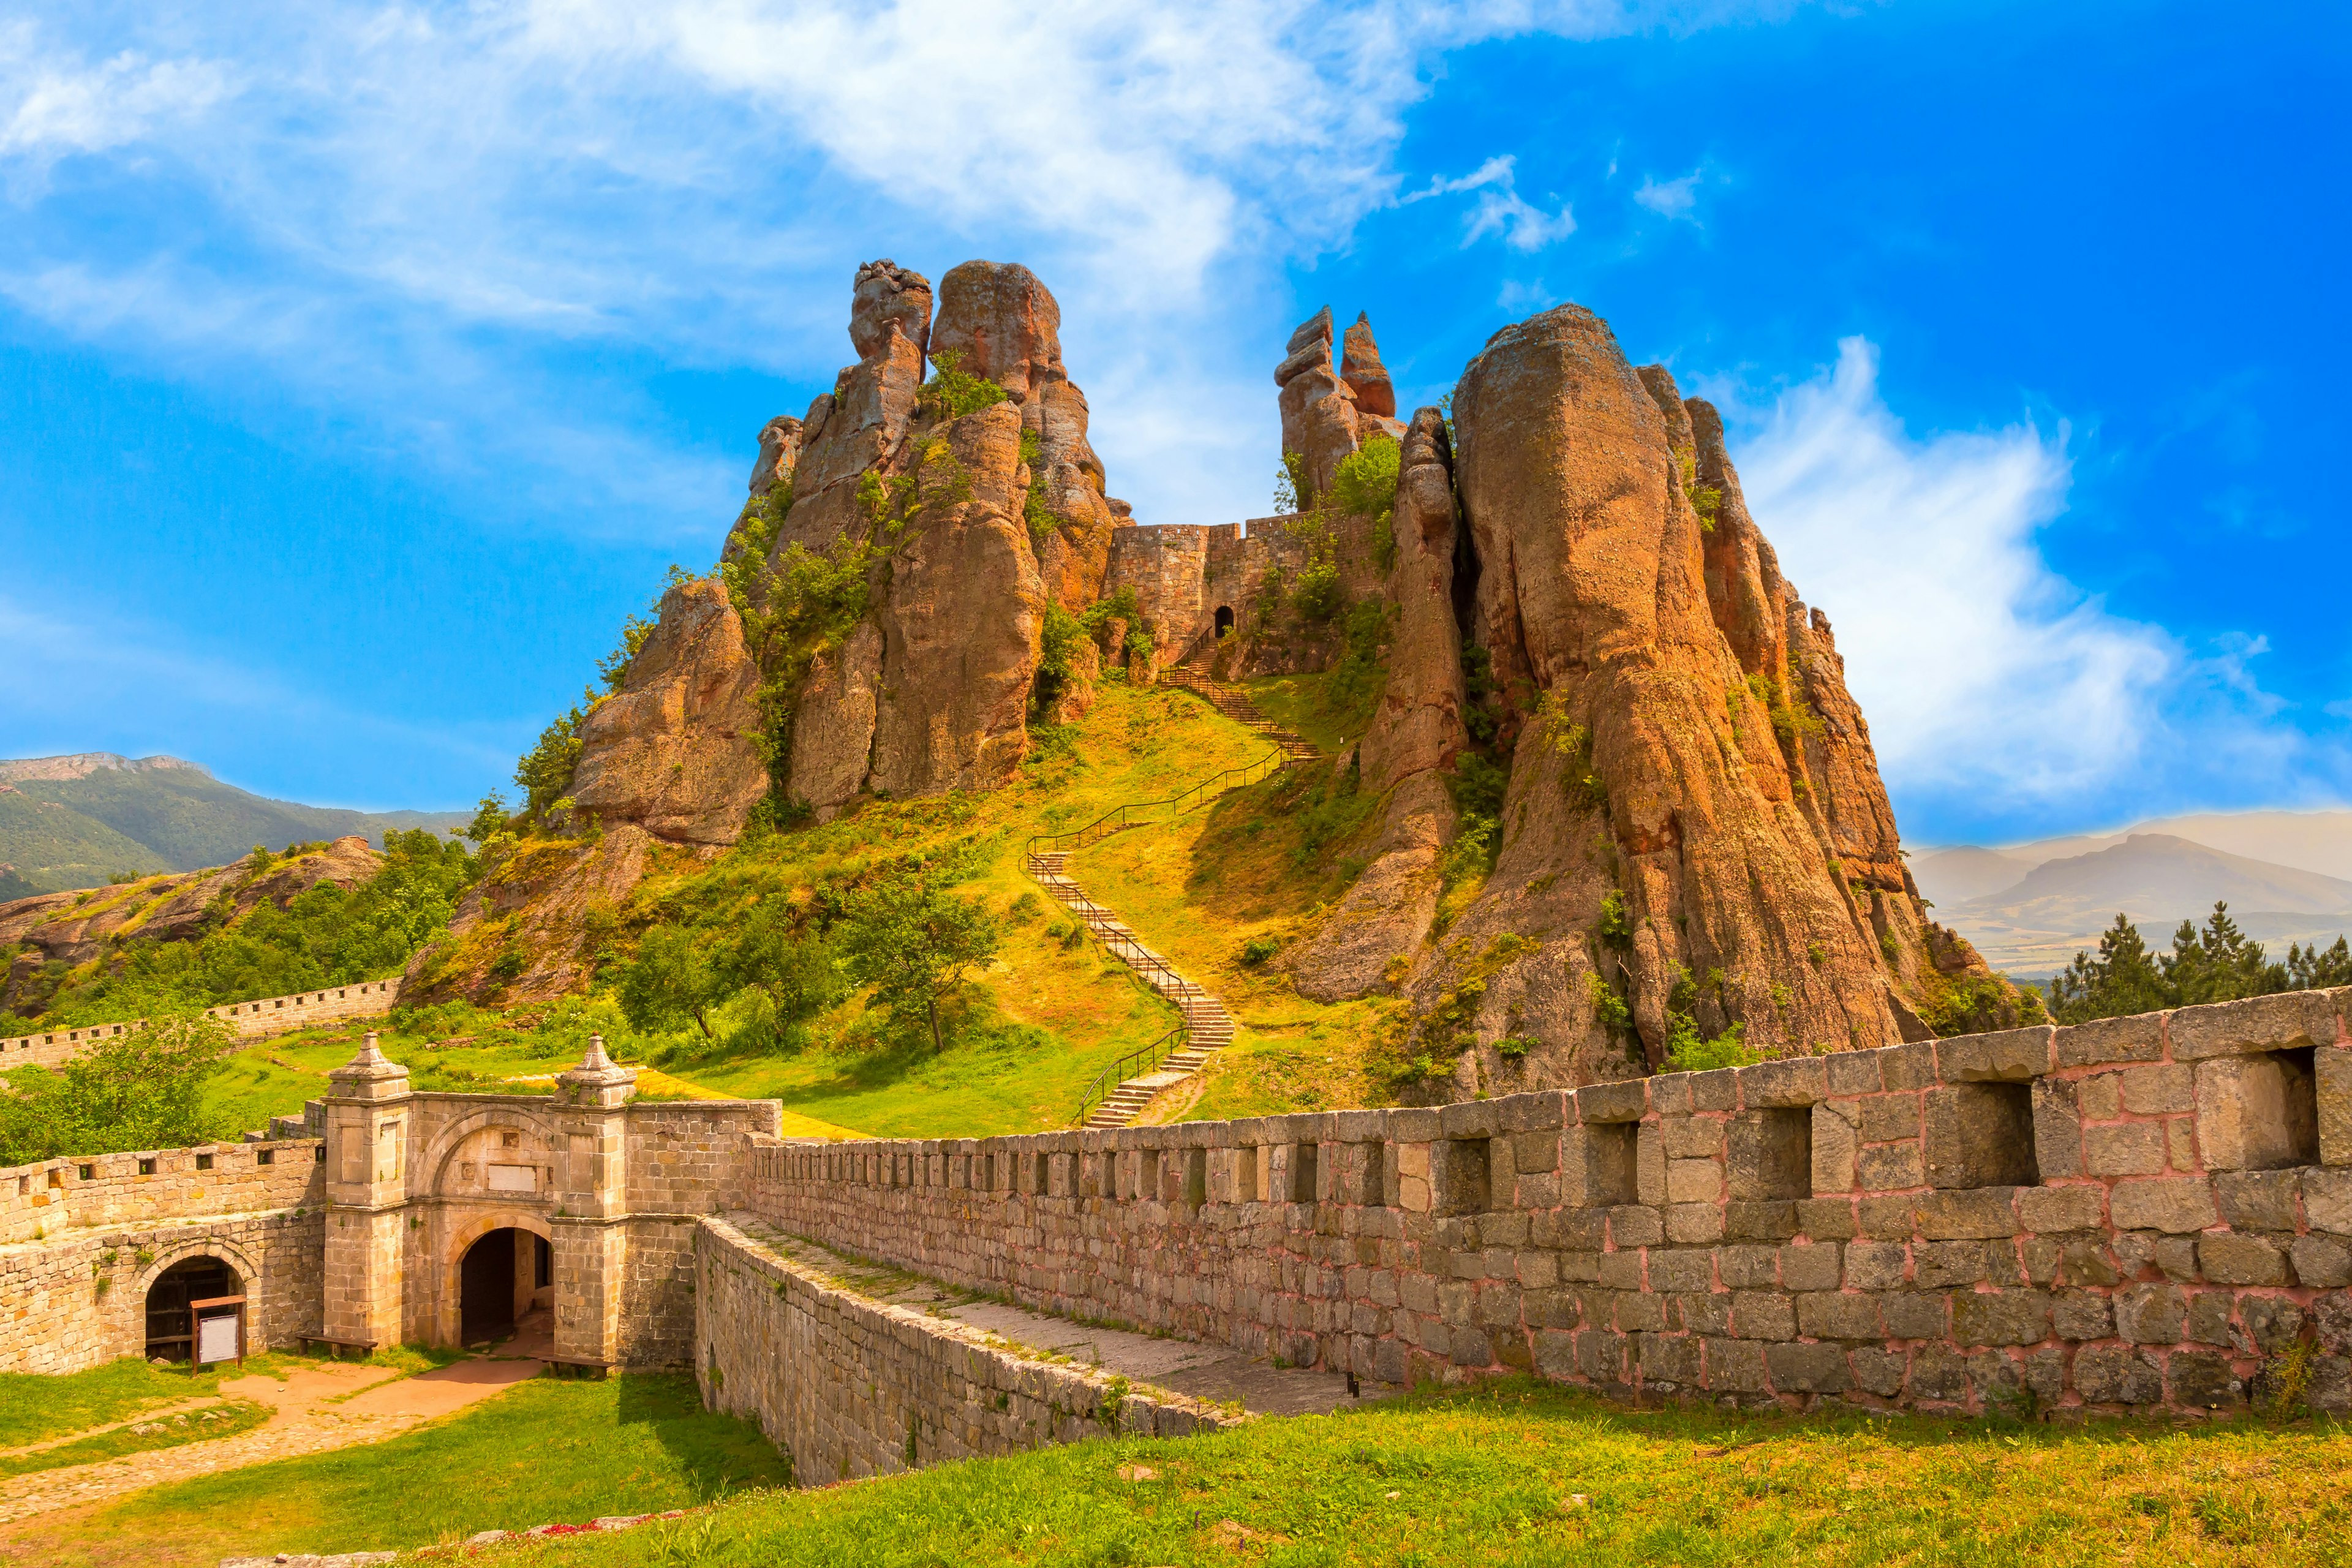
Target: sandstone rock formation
[1694, 830]
[1330, 406]
[675, 750]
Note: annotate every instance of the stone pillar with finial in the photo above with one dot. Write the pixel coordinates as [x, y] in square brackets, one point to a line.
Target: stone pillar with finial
[367, 1107]
[589, 1223]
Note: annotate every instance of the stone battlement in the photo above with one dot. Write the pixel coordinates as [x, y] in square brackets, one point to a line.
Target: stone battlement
[2130, 1213]
[251, 1020]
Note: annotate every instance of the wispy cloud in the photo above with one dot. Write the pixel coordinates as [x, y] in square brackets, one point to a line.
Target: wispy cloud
[1997, 692]
[57, 102]
[1670, 198]
[1499, 210]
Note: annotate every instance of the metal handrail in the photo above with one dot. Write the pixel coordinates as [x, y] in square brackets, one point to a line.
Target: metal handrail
[1132, 952]
[1111, 1077]
[1118, 817]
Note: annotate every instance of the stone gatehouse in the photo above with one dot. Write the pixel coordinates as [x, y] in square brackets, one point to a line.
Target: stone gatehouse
[2146, 1214]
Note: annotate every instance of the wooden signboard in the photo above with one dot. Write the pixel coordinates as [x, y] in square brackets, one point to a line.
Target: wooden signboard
[218, 1324]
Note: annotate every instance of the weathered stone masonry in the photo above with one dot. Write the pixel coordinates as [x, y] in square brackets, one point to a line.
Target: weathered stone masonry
[852, 1387]
[249, 1020]
[2135, 1212]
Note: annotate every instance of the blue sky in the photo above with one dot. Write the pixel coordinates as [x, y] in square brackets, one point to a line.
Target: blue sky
[362, 366]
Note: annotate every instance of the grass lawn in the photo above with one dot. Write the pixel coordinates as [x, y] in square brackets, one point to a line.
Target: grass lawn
[1302, 704]
[1521, 1474]
[225, 1420]
[34, 1407]
[548, 1451]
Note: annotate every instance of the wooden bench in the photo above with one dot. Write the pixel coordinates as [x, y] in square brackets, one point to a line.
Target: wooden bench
[575, 1366]
[337, 1347]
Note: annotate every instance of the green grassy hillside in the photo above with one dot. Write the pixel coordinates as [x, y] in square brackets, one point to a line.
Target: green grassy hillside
[75, 832]
[51, 846]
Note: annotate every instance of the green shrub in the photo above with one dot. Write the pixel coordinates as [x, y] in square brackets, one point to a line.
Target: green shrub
[1686, 1052]
[952, 391]
[1258, 949]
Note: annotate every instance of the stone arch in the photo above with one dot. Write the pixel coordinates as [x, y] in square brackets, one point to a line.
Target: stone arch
[238, 1261]
[448, 1279]
[1225, 619]
[443, 1149]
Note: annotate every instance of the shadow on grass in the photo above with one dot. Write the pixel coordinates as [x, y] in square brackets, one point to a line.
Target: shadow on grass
[714, 1454]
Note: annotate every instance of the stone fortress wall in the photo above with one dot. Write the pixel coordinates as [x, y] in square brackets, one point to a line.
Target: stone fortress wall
[2139, 1213]
[268, 1015]
[81, 1241]
[1182, 573]
[852, 1387]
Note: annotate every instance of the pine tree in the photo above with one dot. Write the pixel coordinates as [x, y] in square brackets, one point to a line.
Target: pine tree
[2122, 980]
[2219, 964]
[2308, 969]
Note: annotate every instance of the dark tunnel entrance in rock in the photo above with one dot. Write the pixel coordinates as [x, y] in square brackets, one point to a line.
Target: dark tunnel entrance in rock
[1225, 619]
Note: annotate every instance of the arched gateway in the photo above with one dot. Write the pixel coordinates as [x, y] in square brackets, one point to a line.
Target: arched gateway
[451, 1216]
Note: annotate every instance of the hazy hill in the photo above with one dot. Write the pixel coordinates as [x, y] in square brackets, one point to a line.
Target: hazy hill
[74, 822]
[2030, 910]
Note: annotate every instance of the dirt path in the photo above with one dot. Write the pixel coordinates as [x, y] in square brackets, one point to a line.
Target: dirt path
[317, 1407]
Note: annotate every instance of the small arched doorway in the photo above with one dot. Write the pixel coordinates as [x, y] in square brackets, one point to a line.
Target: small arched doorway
[1225, 619]
[497, 1281]
[171, 1332]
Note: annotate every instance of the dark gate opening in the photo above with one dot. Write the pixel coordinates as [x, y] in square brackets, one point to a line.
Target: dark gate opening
[171, 1332]
[1225, 619]
[486, 1288]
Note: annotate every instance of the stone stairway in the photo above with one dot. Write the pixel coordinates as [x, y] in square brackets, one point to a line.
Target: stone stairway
[1235, 704]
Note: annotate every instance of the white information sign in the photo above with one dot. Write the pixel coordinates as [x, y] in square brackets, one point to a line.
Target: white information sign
[514, 1178]
[216, 1338]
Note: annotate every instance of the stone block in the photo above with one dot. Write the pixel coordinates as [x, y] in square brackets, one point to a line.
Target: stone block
[2173, 1204]
[1878, 1370]
[1542, 1111]
[2057, 1130]
[1940, 1264]
[1469, 1119]
[2274, 1321]
[2080, 1315]
[2258, 1200]
[1812, 1267]
[2155, 1090]
[2332, 1065]
[2047, 1209]
[2084, 1261]
[1694, 1225]
[2008, 1056]
[1915, 1314]
[1888, 1117]
[1763, 1315]
[2229, 1260]
[2288, 1021]
[1939, 1372]
[1630, 1224]
[1791, 1082]
[2001, 1317]
[1668, 1357]
[1621, 1101]
[1621, 1270]
[1694, 1180]
[1834, 1315]
[2258, 1110]
[1555, 1356]
[1980, 1212]
[1759, 1221]
[1981, 1134]
[1691, 1138]
[1717, 1090]
[2203, 1379]
[1876, 1265]
[1601, 1355]
[1638, 1310]
[1681, 1270]
[2324, 1261]
[1892, 1167]
[2139, 1038]
[1807, 1369]
[1908, 1066]
[2124, 1149]
[2117, 1374]
[1887, 1219]
[1835, 1148]
[1826, 1219]
[2154, 1314]
[1734, 1366]
[2327, 1200]
[2100, 1097]
[1853, 1072]
[1746, 1268]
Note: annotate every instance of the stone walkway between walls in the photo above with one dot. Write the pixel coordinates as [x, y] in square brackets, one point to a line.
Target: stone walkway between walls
[317, 1407]
[1210, 1372]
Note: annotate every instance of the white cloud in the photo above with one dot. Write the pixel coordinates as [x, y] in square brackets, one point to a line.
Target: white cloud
[1500, 209]
[54, 103]
[1982, 672]
[1670, 198]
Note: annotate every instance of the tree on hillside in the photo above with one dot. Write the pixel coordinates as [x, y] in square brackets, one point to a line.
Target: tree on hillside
[912, 940]
[2216, 964]
[142, 1089]
[670, 982]
[545, 770]
[796, 971]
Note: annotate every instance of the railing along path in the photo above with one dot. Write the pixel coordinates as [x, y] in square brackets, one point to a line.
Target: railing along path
[1120, 1092]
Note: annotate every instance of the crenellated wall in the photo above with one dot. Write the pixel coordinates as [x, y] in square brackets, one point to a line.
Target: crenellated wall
[268, 1015]
[2137, 1213]
[1182, 573]
[81, 1240]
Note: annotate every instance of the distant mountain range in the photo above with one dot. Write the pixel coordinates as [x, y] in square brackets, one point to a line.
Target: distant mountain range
[2030, 908]
[74, 822]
